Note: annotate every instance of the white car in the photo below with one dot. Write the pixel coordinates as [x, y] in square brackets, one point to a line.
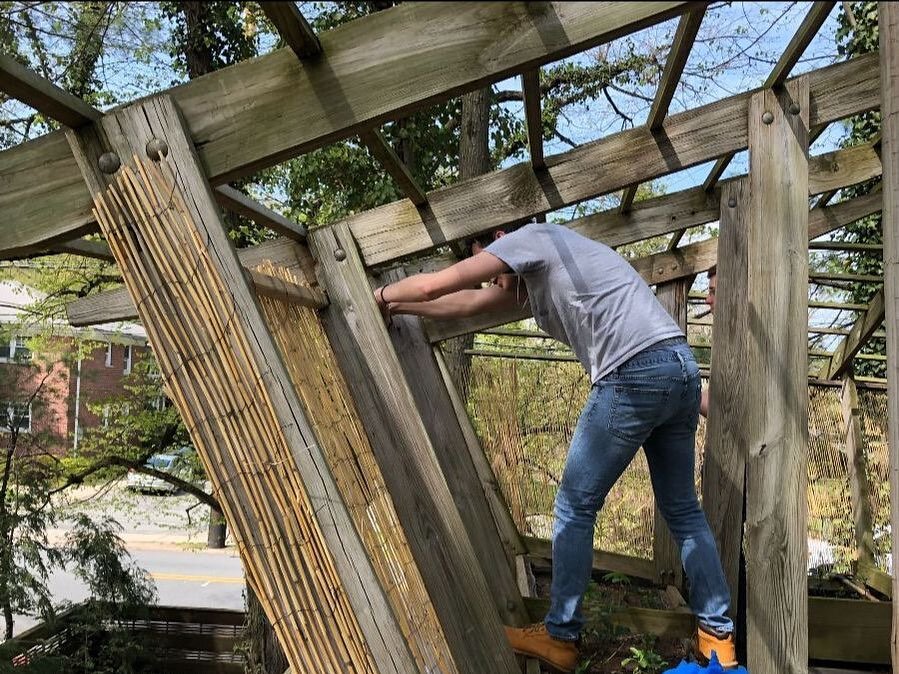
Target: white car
[164, 463]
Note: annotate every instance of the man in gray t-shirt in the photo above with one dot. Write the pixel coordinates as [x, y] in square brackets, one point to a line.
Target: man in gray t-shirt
[645, 393]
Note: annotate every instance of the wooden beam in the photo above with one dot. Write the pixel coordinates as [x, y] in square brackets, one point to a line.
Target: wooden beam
[807, 30]
[384, 66]
[669, 266]
[865, 325]
[859, 493]
[775, 402]
[828, 171]
[279, 289]
[293, 28]
[44, 96]
[238, 202]
[530, 87]
[421, 497]
[398, 230]
[636, 567]
[395, 167]
[95, 249]
[888, 18]
[873, 577]
[434, 405]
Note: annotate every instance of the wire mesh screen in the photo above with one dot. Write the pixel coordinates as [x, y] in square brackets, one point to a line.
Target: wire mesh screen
[525, 412]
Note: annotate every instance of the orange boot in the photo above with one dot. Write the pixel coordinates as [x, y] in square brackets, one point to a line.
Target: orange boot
[724, 646]
[535, 642]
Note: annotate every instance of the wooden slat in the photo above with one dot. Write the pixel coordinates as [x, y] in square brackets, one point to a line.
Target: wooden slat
[44, 96]
[848, 630]
[95, 249]
[238, 202]
[888, 18]
[435, 407]
[865, 325]
[293, 28]
[398, 230]
[279, 289]
[383, 66]
[828, 171]
[859, 493]
[635, 567]
[395, 167]
[874, 577]
[806, 32]
[775, 403]
[530, 86]
[421, 497]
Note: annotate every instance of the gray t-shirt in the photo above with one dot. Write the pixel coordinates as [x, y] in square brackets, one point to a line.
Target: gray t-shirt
[585, 295]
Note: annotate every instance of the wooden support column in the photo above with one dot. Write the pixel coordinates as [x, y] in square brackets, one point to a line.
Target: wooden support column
[858, 477]
[302, 554]
[889, 95]
[776, 401]
[423, 502]
[444, 429]
[665, 553]
[724, 465]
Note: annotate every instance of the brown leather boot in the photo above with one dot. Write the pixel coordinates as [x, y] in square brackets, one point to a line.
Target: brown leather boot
[723, 646]
[535, 642]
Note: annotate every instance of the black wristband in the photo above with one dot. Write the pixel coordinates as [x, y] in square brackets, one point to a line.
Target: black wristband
[383, 301]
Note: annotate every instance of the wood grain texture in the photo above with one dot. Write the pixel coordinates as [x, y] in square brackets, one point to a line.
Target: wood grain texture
[384, 66]
[533, 112]
[859, 492]
[293, 28]
[776, 404]
[866, 324]
[303, 556]
[423, 502]
[888, 14]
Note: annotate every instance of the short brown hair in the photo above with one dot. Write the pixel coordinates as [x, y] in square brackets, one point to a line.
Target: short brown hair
[713, 270]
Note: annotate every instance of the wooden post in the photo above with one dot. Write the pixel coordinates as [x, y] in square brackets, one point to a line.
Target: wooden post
[665, 553]
[776, 401]
[858, 478]
[302, 554]
[424, 505]
[445, 432]
[724, 465]
[889, 88]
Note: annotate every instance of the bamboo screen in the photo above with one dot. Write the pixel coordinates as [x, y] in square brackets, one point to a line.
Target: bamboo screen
[211, 375]
[525, 411]
[319, 383]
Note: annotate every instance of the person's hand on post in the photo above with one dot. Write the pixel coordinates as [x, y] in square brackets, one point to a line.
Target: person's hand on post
[383, 305]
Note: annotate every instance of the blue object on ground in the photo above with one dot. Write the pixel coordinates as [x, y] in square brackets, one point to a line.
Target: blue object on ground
[713, 668]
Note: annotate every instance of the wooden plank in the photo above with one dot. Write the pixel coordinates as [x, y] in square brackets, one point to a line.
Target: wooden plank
[293, 28]
[530, 87]
[225, 374]
[874, 577]
[432, 399]
[726, 451]
[849, 630]
[888, 17]
[238, 202]
[384, 66]
[95, 249]
[665, 552]
[116, 305]
[635, 567]
[859, 493]
[656, 622]
[279, 289]
[775, 403]
[421, 497]
[803, 36]
[866, 324]
[41, 94]
[828, 171]
[395, 167]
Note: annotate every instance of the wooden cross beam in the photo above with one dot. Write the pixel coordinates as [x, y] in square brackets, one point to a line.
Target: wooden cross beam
[530, 86]
[683, 41]
[866, 324]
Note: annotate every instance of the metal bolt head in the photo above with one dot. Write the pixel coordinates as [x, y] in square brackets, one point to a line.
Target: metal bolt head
[157, 149]
[109, 162]
[340, 255]
[767, 117]
[795, 109]
[732, 202]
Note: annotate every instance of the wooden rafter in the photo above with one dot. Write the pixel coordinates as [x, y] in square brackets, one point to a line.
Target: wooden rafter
[44, 96]
[684, 37]
[530, 86]
[293, 28]
[395, 167]
[866, 324]
[238, 202]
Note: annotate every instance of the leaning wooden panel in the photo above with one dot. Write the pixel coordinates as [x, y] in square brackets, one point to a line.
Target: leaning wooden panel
[332, 413]
[224, 373]
[776, 405]
[423, 502]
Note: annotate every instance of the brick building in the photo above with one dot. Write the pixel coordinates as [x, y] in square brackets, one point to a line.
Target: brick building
[50, 374]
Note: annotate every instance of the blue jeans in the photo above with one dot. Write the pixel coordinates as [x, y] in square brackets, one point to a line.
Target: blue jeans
[652, 400]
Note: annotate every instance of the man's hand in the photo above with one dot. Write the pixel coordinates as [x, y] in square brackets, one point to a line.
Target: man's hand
[704, 403]
[385, 307]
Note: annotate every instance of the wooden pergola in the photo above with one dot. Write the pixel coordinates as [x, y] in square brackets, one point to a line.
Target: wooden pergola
[388, 549]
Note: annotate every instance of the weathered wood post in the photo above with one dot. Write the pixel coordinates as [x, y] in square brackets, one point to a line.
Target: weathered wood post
[854, 447]
[776, 401]
[889, 102]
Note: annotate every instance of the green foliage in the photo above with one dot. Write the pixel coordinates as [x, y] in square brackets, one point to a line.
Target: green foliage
[644, 661]
[617, 578]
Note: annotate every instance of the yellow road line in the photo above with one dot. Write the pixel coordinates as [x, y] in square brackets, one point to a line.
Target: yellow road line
[156, 575]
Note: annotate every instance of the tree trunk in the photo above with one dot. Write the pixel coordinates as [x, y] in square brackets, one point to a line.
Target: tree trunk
[264, 654]
[217, 532]
[474, 160]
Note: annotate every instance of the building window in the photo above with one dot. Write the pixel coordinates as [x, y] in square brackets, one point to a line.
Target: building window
[108, 354]
[128, 357]
[18, 417]
[15, 351]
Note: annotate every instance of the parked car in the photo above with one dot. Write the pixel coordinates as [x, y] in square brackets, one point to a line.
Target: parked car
[174, 464]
